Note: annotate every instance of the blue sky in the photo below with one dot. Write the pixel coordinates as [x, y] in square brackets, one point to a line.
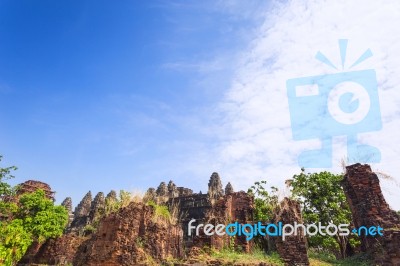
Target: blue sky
[101, 95]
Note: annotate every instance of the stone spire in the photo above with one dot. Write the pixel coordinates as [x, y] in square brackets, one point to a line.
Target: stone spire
[67, 203]
[150, 195]
[162, 190]
[83, 207]
[229, 189]
[112, 195]
[215, 190]
[172, 190]
[97, 207]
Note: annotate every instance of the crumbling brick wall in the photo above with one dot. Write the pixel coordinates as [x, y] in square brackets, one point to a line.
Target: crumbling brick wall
[130, 237]
[293, 250]
[369, 208]
[235, 207]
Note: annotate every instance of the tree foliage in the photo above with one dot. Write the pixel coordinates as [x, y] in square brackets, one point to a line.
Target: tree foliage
[40, 217]
[14, 241]
[25, 218]
[322, 200]
[265, 202]
[114, 204]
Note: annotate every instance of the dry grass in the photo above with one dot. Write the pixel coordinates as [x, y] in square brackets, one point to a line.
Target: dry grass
[137, 196]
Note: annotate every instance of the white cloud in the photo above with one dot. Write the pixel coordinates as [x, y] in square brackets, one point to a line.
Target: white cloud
[257, 141]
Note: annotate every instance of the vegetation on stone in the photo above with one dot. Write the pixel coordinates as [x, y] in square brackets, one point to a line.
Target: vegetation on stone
[26, 218]
[131, 229]
[160, 211]
[322, 200]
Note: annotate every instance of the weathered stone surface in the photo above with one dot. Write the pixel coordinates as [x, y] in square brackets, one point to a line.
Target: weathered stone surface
[212, 207]
[130, 237]
[33, 185]
[215, 190]
[194, 206]
[97, 208]
[369, 208]
[182, 191]
[81, 215]
[234, 207]
[83, 207]
[60, 251]
[67, 203]
[162, 190]
[150, 195]
[293, 250]
[172, 190]
[112, 195]
[229, 189]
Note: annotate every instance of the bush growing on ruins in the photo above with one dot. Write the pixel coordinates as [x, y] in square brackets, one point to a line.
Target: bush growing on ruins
[124, 198]
[89, 229]
[322, 200]
[114, 204]
[40, 216]
[264, 204]
[264, 201]
[160, 211]
[6, 191]
[24, 219]
[14, 241]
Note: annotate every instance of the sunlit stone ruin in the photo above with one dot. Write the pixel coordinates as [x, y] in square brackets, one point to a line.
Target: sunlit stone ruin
[134, 233]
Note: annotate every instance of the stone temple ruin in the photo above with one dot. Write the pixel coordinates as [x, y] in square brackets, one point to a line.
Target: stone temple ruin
[115, 240]
[217, 206]
[369, 208]
[294, 249]
[32, 186]
[129, 235]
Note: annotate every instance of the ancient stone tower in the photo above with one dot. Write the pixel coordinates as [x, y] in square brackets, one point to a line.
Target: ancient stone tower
[293, 250]
[97, 208]
[33, 185]
[215, 190]
[229, 189]
[67, 203]
[369, 208]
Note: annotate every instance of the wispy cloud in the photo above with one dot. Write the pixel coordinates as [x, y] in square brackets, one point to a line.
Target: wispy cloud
[202, 67]
[256, 141]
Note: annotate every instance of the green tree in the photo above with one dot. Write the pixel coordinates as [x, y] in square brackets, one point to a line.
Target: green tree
[124, 198]
[14, 241]
[6, 191]
[25, 218]
[40, 216]
[322, 200]
[264, 201]
[264, 204]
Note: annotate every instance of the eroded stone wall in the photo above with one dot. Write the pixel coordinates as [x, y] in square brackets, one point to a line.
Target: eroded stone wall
[293, 250]
[234, 207]
[369, 208]
[130, 237]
